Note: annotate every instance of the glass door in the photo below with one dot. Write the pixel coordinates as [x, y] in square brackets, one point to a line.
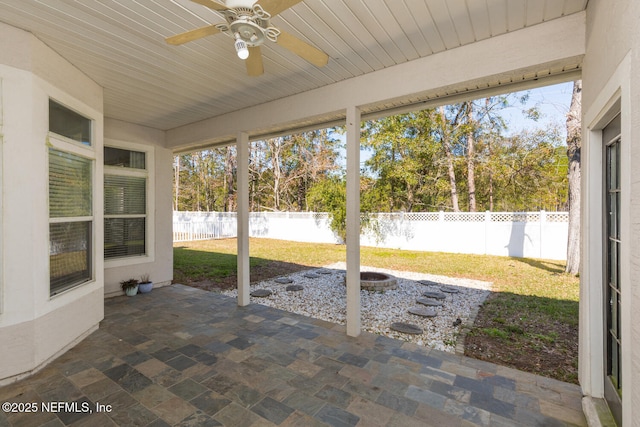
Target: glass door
[613, 375]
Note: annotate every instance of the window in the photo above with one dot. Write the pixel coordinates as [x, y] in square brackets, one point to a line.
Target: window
[68, 123]
[71, 176]
[124, 158]
[125, 203]
[70, 220]
[613, 239]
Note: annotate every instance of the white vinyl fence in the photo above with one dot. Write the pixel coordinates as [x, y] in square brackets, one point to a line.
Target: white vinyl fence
[517, 234]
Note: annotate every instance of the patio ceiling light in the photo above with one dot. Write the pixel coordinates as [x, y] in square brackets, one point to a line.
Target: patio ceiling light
[248, 22]
[241, 47]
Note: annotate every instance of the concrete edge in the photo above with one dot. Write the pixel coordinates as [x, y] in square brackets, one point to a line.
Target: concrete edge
[597, 412]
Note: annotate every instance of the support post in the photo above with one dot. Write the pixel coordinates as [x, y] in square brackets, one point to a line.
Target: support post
[353, 222]
[242, 150]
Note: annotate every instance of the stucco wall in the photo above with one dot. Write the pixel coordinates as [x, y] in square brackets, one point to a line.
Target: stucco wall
[610, 83]
[34, 326]
[159, 261]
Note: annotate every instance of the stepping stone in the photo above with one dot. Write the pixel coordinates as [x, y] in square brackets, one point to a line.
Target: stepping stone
[406, 328]
[295, 288]
[449, 289]
[432, 294]
[423, 311]
[261, 293]
[428, 282]
[283, 280]
[324, 271]
[311, 275]
[429, 302]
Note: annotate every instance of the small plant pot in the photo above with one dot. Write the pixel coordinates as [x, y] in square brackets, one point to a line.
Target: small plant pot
[145, 287]
[131, 291]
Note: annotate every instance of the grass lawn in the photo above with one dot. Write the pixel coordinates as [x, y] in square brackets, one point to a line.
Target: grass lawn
[530, 321]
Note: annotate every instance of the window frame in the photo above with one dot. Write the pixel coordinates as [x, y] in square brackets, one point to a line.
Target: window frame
[612, 135]
[147, 173]
[77, 148]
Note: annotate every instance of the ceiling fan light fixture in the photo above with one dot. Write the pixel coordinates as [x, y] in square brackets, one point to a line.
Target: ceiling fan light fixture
[249, 25]
[241, 47]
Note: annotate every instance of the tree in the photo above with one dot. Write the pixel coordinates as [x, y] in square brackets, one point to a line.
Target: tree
[176, 182]
[330, 195]
[447, 138]
[527, 172]
[574, 144]
[455, 157]
[471, 161]
[230, 168]
[405, 171]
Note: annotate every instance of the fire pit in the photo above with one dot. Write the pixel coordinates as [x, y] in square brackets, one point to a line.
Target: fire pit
[377, 282]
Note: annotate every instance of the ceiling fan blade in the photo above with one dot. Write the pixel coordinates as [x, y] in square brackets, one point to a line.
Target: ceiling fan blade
[254, 62]
[303, 49]
[211, 4]
[274, 7]
[196, 34]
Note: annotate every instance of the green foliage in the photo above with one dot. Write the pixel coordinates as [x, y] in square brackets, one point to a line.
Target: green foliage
[195, 262]
[417, 161]
[281, 172]
[330, 195]
[411, 155]
[495, 333]
[404, 164]
[128, 284]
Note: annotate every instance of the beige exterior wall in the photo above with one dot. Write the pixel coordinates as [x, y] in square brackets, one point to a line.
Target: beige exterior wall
[159, 260]
[35, 327]
[610, 81]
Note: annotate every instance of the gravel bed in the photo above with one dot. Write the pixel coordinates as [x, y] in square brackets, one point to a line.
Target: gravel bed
[324, 297]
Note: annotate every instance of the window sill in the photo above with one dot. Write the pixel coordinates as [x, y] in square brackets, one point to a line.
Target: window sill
[133, 260]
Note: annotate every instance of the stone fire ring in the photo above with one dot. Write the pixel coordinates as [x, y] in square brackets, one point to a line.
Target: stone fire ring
[377, 282]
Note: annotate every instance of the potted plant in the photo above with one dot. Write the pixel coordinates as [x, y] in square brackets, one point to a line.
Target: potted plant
[130, 286]
[145, 284]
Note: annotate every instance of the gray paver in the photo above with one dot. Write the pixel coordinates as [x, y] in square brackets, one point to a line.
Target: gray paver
[206, 361]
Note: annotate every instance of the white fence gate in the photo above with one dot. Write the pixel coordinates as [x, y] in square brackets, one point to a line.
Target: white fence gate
[517, 234]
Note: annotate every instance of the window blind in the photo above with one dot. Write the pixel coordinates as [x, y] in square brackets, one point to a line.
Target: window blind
[125, 195]
[124, 237]
[69, 185]
[69, 254]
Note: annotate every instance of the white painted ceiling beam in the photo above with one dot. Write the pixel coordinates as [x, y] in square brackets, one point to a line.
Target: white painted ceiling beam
[520, 53]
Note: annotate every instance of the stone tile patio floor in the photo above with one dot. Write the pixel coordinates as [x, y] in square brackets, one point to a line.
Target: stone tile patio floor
[186, 357]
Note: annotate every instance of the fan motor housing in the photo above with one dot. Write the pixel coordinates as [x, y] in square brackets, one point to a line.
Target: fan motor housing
[249, 22]
[249, 31]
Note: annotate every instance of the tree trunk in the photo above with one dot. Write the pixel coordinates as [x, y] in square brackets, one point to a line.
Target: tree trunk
[177, 179]
[229, 162]
[574, 144]
[471, 175]
[275, 147]
[446, 144]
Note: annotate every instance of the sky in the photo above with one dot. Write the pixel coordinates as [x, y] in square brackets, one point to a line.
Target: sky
[552, 102]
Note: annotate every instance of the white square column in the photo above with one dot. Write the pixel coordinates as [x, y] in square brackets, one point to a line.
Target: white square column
[353, 222]
[242, 150]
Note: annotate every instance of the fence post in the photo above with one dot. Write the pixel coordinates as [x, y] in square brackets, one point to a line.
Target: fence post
[543, 220]
[487, 221]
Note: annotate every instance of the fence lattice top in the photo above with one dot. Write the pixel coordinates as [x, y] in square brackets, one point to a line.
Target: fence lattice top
[393, 216]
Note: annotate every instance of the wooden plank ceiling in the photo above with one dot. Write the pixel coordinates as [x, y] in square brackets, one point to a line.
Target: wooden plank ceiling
[120, 44]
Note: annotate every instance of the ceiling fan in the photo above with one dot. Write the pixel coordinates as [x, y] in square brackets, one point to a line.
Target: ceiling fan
[249, 24]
